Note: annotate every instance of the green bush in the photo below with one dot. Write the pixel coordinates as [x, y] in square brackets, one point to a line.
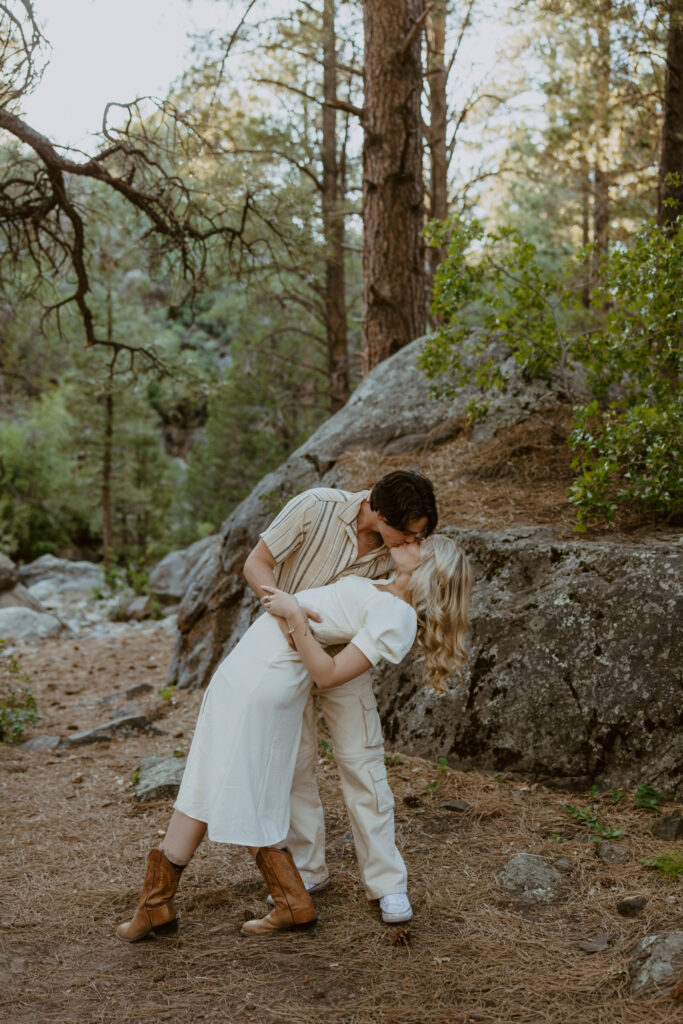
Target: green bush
[628, 438]
[18, 705]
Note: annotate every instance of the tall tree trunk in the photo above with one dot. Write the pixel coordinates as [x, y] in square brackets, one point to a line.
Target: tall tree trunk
[670, 198]
[333, 225]
[437, 77]
[106, 480]
[585, 230]
[601, 198]
[107, 453]
[394, 305]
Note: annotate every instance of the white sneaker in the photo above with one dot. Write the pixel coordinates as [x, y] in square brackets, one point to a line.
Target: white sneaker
[395, 908]
[310, 887]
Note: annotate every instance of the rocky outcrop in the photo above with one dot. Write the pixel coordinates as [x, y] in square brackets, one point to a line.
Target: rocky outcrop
[391, 411]
[573, 671]
[169, 578]
[574, 665]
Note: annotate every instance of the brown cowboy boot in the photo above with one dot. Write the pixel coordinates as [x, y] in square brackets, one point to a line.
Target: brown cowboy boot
[155, 912]
[293, 906]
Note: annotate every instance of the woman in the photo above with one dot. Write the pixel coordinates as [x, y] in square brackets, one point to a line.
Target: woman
[239, 771]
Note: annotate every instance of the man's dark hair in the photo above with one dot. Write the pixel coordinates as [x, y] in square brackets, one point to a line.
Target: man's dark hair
[404, 496]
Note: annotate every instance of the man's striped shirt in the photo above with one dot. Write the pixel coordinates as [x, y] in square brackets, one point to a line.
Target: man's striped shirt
[314, 541]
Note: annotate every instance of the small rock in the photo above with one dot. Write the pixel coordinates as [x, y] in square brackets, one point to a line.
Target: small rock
[564, 865]
[27, 626]
[530, 877]
[656, 962]
[124, 713]
[669, 828]
[120, 727]
[612, 853]
[138, 689]
[598, 942]
[41, 743]
[631, 906]
[456, 805]
[136, 608]
[159, 777]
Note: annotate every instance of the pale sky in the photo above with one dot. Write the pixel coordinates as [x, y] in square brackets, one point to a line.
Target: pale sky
[106, 50]
[116, 50]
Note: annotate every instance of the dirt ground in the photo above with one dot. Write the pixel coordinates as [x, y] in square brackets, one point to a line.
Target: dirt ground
[74, 843]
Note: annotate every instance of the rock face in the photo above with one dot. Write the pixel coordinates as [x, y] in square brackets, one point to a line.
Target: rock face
[169, 578]
[573, 670]
[391, 411]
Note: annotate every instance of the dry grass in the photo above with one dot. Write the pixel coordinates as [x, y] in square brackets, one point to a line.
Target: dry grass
[75, 841]
[521, 476]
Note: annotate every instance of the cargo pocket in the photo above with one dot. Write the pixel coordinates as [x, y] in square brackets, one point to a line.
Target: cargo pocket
[373, 726]
[385, 798]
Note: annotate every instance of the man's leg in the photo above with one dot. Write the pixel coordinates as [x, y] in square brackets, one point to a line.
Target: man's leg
[306, 837]
[355, 728]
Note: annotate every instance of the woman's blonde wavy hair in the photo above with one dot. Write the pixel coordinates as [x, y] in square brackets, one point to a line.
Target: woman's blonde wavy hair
[439, 591]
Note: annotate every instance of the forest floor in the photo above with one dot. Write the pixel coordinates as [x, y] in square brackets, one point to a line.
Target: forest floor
[75, 841]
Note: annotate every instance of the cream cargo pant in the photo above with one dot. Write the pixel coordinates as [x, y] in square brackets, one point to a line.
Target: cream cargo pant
[356, 733]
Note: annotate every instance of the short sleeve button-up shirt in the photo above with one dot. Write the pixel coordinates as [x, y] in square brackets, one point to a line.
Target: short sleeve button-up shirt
[314, 541]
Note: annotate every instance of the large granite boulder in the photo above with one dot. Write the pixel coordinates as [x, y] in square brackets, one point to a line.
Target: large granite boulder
[573, 662]
[574, 666]
[392, 411]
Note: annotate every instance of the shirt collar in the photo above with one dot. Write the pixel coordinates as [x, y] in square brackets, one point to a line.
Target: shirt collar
[351, 508]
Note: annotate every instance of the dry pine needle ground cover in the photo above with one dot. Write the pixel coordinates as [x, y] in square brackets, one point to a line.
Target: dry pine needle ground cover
[74, 847]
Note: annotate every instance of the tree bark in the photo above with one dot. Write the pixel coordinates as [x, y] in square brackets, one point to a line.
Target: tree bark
[394, 301]
[601, 178]
[437, 78]
[333, 225]
[670, 197]
[107, 453]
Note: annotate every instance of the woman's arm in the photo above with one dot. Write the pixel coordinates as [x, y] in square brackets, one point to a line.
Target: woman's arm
[326, 671]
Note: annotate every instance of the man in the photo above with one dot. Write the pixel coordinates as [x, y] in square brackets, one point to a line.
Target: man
[318, 537]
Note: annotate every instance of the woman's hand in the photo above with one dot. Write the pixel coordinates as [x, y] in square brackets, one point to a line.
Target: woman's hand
[277, 602]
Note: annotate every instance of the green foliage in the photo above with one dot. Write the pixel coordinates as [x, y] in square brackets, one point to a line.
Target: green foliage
[327, 749]
[631, 454]
[166, 692]
[39, 505]
[587, 816]
[390, 759]
[18, 706]
[647, 796]
[629, 438]
[494, 285]
[667, 865]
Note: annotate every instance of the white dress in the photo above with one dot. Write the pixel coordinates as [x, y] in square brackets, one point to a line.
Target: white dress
[241, 763]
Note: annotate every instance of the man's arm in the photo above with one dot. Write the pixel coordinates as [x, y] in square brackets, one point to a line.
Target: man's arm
[258, 569]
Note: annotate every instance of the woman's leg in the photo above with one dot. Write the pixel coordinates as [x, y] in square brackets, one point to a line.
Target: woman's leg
[155, 912]
[183, 836]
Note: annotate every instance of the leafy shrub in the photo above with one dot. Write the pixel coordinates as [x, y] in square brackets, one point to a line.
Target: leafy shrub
[628, 440]
[18, 705]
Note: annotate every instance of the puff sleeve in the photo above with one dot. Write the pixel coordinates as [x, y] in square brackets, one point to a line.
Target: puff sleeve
[388, 631]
